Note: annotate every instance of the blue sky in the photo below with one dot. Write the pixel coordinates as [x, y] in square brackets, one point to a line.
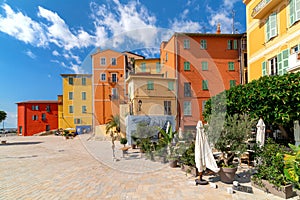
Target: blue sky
[41, 39]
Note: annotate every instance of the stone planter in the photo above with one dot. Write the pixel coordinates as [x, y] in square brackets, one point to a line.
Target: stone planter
[227, 174]
[283, 191]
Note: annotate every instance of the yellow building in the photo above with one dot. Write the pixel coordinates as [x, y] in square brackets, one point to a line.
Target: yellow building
[273, 40]
[149, 91]
[76, 107]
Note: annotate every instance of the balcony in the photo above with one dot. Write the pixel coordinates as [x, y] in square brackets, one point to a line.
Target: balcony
[294, 62]
[263, 8]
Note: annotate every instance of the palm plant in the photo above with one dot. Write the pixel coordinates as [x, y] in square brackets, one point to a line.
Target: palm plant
[113, 123]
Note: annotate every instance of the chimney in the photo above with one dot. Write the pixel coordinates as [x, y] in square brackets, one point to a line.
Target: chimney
[218, 28]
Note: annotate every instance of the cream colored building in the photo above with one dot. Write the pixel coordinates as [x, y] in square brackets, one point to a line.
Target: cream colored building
[273, 31]
[75, 108]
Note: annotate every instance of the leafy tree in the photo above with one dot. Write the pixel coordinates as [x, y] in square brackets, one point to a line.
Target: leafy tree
[276, 98]
[2, 115]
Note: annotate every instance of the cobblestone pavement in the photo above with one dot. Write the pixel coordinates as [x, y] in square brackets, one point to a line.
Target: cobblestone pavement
[49, 167]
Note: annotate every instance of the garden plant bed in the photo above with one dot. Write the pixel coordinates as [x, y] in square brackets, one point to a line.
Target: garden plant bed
[283, 192]
[189, 169]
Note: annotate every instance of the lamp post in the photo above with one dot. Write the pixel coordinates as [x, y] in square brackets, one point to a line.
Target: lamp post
[140, 105]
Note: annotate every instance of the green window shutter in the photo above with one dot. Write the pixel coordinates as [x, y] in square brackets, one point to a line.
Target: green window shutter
[228, 44]
[171, 85]
[232, 83]
[143, 67]
[292, 12]
[235, 44]
[264, 68]
[204, 65]
[285, 61]
[186, 44]
[187, 66]
[231, 66]
[279, 64]
[158, 67]
[150, 85]
[267, 29]
[204, 85]
[203, 44]
[297, 10]
[273, 25]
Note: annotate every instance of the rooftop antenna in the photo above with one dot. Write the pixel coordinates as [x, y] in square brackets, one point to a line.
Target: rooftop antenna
[233, 13]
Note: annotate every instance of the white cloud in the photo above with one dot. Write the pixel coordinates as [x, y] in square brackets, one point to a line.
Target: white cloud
[55, 53]
[229, 3]
[30, 54]
[23, 28]
[185, 26]
[184, 13]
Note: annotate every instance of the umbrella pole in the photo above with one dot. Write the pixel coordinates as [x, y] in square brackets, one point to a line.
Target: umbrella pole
[200, 176]
[201, 181]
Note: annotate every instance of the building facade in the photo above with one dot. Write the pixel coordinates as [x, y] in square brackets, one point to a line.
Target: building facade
[76, 108]
[37, 116]
[203, 65]
[273, 31]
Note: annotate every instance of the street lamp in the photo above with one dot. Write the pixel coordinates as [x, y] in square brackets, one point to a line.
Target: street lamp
[140, 104]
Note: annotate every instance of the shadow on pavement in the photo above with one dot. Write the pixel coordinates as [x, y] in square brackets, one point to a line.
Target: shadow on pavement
[19, 143]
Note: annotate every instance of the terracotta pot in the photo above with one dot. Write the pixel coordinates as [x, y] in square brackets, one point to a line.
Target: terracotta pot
[227, 174]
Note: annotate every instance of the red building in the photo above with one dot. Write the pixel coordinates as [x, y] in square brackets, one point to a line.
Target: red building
[37, 116]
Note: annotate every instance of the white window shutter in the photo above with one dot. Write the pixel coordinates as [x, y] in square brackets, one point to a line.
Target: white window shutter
[273, 25]
[267, 29]
[297, 10]
[292, 12]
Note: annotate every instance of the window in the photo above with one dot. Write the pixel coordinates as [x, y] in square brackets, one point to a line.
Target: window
[150, 85]
[167, 108]
[71, 109]
[36, 107]
[294, 11]
[102, 61]
[44, 117]
[83, 95]
[114, 78]
[158, 67]
[187, 108]
[186, 43]
[83, 109]
[187, 66]
[295, 49]
[34, 117]
[70, 95]
[204, 65]
[83, 81]
[231, 66]
[204, 85]
[113, 61]
[271, 26]
[187, 90]
[71, 81]
[114, 93]
[273, 66]
[232, 44]
[143, 67]
[48, 108]
[103, 77]
[77, 121]
[283, 62]
[47, 127]
[232, 83]
[171, 85]
[167, 56]
[203, 44]
[32, 107]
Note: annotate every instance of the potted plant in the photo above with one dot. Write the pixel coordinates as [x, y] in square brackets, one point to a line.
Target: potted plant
[123, 141]
[229, 135]
[187, 159]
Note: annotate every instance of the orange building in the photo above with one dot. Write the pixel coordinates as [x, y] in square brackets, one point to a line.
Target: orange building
[204, 65]
[110, 69]
[37, 117]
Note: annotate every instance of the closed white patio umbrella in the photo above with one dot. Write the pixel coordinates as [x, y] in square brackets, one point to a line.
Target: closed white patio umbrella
[260, 133]
[297, 133]
[203, 155]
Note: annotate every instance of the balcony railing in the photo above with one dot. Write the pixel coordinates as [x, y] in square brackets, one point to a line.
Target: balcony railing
[263, 7]
[294, 62]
